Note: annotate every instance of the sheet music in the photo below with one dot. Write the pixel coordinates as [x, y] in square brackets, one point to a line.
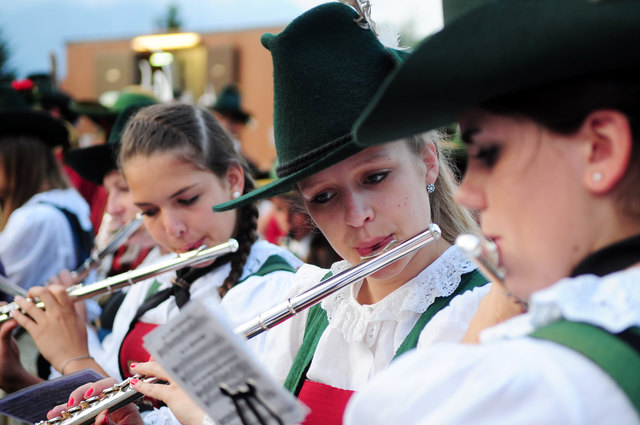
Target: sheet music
[214, 366]
[32, 403]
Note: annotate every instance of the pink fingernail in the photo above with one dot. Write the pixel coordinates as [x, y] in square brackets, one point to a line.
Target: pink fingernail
[70, 403]
[88, 393]
[105, 420]
[134, 381]
[133, 365]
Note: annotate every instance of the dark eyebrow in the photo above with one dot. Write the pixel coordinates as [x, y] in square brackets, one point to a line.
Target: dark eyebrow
[178, 193]
[468, 135]
[181, 191]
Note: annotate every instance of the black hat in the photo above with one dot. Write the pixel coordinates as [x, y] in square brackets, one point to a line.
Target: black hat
[18, 119]
[497, 48]
[95, 162]
[229, 103]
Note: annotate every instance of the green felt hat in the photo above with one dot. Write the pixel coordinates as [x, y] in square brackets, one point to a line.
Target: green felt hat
[497, 48]
[229, 103]
[326, 68]
[95, 162]
[105, 115]
[18, 119]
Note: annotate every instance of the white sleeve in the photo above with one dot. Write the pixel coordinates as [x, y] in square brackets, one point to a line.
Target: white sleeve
[161, 416]
[35, 245]
[523, 381]
[283, 341]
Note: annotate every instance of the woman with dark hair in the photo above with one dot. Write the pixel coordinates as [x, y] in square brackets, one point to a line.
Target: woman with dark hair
[177, 162]
[553, 136]
[39, 209]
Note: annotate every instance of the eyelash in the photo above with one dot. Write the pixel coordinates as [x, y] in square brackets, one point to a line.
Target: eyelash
[487, 155]
[185, 202]
[189, 201]
[372, 179]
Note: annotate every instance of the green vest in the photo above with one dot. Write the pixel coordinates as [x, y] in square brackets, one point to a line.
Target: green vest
[317, 322]
[617, 354]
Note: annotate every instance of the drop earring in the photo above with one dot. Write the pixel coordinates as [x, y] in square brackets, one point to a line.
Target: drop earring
[431, 188]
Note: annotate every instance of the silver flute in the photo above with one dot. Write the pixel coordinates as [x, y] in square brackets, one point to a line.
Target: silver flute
[95, 259]
[81, 292]
[92, 262]
[484, 254]
[123, 393]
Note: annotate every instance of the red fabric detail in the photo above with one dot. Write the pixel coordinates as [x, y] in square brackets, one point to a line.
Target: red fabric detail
[272, 232]
[327, 403]
[118, 267]
[132, 350]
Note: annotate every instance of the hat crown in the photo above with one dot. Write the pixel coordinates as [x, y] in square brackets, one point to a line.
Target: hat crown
[228, 99]
[326, 69]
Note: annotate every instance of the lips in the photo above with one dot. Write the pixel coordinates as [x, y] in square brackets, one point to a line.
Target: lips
[372, 246]
[192, 246]
[497, 255]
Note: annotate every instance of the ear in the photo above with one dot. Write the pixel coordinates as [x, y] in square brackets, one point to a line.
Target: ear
[609, 149]
[430, 160]
[235, 178]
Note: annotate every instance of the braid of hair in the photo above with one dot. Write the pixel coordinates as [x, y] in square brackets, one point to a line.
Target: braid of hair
[246, 234]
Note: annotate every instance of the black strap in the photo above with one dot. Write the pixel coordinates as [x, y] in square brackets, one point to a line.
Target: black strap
[610, 259]
[82, 239]
[180, 287]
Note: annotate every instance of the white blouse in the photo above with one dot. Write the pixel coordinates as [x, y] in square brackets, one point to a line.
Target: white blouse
[511, 378]
[361, 340]
[254, 295]
[37, 241]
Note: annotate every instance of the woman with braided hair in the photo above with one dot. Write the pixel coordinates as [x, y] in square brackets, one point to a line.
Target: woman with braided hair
[178, 161]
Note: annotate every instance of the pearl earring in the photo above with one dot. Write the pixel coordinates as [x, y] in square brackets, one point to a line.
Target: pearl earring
[236, 195]
[597, 176]
[431, 188]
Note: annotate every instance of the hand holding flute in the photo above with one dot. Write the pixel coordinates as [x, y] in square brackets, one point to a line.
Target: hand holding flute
[498, 305]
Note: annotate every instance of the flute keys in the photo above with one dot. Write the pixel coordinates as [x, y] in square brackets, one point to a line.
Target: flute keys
[73, 410]
[110, 390]
[88, 402]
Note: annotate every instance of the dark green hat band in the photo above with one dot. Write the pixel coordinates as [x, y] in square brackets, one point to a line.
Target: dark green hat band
[310, 157]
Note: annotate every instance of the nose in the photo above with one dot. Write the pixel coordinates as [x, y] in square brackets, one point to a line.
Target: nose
[174, 226]
[358, 210]
[470, 194]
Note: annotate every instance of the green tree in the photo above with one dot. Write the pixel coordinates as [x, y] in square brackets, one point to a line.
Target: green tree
[171, 21]
[6, 72]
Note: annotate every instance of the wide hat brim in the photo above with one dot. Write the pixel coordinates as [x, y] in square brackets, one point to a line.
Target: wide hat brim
[501, 47]
[93, 162]
[285, 184]
[235, 114]
[38, 124]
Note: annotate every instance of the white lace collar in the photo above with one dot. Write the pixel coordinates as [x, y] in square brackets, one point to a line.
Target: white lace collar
[611, 302]
[439, 279]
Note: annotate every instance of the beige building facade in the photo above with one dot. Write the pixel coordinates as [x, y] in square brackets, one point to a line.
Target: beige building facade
[217, 59]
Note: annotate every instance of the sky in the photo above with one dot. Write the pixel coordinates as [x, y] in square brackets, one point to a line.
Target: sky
[34, 29]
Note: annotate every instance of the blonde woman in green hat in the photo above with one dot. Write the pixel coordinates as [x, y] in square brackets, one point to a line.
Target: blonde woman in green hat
[547, 95]
[327, 66]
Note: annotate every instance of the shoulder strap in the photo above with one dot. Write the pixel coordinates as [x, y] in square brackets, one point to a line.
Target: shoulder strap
[273, 264]
[617, 354]
[468, 282]
[82, 239]
[317, 322]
